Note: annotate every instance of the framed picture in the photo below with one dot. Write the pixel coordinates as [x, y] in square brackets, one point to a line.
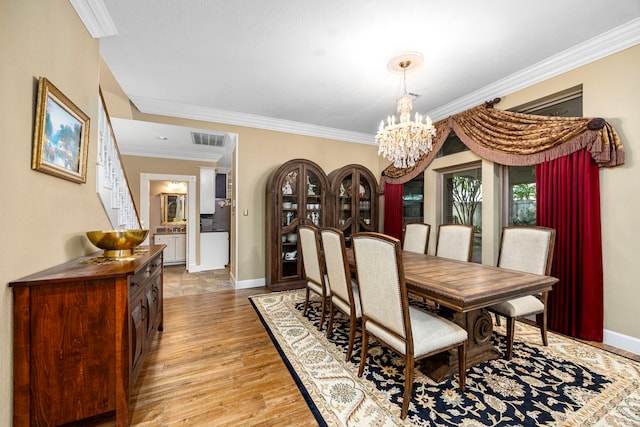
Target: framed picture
[61, 135]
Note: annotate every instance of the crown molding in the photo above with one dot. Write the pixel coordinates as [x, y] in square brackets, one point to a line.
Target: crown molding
[610, 42]
[95, 17]
[194, 112]
[173, 155]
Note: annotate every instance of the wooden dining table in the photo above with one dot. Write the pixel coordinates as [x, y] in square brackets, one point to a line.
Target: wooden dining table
[462, 292]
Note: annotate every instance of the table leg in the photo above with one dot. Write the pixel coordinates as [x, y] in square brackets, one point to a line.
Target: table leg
[479, 327]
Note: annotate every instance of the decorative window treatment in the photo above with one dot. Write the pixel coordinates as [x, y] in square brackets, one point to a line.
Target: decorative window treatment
[568, 153]
[568, 200]
[517, 139]
[393, 210]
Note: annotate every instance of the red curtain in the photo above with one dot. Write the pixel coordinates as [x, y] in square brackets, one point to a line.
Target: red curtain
[568, 200]
[393, 210]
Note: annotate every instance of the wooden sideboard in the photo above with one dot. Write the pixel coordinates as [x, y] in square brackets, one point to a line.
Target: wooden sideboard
[81, 332]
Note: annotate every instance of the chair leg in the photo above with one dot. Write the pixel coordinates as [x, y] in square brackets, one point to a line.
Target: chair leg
[352, 337]
[323, 308]
[365, 350]
[306, 302]
[462, 365]
[408, 385]
[511, 326]
[332, 311]
[542, 319]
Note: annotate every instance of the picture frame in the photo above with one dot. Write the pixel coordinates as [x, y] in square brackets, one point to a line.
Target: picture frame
[61, 135]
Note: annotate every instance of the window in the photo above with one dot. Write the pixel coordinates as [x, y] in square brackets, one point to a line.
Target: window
[413, 200]
[521, 195]
[452, 145]
[462, 202]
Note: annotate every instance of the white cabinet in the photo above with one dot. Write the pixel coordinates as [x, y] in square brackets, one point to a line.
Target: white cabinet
[207, 190]
[214, 250]
[176, 250]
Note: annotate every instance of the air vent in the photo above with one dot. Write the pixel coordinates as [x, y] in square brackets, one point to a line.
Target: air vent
[209, 139]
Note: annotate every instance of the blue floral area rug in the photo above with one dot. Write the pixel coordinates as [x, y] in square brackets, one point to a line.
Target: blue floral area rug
[567, 383]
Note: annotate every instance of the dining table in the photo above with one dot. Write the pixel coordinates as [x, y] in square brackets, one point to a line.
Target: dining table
[462, 291]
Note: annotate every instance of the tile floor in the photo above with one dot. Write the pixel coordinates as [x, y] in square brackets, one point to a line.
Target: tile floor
[178, 281]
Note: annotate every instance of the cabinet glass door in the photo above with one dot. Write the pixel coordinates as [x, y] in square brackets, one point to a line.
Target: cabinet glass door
[289, 218]
[314, 197]
[364, 202]
[345, 207]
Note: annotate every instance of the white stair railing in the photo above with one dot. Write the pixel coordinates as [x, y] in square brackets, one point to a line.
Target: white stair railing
[112, 185]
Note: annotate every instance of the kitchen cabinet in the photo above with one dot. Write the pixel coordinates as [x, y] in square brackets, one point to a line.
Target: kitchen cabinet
[354, 200]
[214, 250]
[81, 331]
[221, 186]
[207, 190]
[176, 247]
[296, 193]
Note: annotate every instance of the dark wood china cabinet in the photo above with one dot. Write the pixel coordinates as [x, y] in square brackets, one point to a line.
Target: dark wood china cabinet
[297, 193]
[354, 198]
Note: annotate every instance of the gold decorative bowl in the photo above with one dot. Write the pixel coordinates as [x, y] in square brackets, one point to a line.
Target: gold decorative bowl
[117, 243]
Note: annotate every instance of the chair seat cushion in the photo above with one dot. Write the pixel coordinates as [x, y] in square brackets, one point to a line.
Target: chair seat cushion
[519, 307]
[430, 333]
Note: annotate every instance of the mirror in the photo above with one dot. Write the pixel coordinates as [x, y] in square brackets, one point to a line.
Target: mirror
[173, 208]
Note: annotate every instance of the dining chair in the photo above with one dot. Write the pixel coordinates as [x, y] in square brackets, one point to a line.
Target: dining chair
[455, 241]
[528, 249]
[313, 268]
[343, 290]
[416, 237]
[387, 315]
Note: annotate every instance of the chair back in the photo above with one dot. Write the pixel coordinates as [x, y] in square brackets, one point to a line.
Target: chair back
[455, 241]
[311, 254]
[416, 237]
[335, 256]
[527, 248]
[383, 293]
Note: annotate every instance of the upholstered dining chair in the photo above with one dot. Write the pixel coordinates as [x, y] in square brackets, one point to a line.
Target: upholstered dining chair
[343, 290]
[455, 241]
[313, 267]
[416, 237]
[528, 249]
[387, 315]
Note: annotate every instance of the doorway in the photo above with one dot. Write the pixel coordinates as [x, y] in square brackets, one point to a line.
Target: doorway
[145, 194]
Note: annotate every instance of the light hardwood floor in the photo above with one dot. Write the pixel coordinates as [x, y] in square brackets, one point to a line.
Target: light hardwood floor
[215, 365]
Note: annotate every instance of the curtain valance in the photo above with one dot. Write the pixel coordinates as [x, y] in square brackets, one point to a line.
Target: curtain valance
[517, 139]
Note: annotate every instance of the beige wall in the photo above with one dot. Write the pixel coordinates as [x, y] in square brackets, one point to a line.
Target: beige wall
[50, 214]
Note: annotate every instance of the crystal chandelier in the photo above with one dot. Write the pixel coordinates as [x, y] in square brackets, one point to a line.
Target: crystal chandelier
[404, 141]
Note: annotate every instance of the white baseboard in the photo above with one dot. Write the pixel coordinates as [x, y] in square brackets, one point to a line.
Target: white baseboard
[245, 284]
[624, 342]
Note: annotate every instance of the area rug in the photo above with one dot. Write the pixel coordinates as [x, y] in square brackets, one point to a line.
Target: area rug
[567, 383]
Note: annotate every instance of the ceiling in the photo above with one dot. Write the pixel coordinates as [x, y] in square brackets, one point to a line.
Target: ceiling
[321, 67]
